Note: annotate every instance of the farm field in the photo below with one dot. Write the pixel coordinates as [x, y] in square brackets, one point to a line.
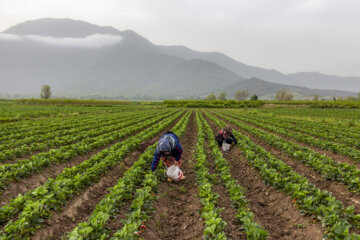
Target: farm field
[83, 172]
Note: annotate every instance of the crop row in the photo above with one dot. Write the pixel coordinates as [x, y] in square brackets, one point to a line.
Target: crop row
[338, 136]
[312, 141]
[53, 194]
[36, 125]
[36, 163]
[332, 118]
[95, 226]
[10, 112]
[16, 204]
[327, 167]
[62, 121]
[84, 132]
[48, 132]
[237, 194]
[312, 201]
[211, 214]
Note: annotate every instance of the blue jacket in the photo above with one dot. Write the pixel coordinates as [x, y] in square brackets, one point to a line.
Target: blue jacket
[175, 152]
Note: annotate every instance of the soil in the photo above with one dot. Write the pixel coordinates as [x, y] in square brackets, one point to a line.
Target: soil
[336, 157]
[338, 190]
[273, 210]
[115, 223]
[177, 214]
[233, 228]
[79, 208]
[24, 185]
[28, 155]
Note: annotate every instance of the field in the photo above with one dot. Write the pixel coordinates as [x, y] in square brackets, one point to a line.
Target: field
[73, 171]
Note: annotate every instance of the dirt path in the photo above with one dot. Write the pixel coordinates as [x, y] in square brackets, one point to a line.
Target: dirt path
[177, 214]
[27, 184]
[80, 207]
[273, 210]
[338, 190]
[27, 156]
[233, 228]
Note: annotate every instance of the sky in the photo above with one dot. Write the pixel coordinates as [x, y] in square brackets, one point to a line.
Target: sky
[286, 35]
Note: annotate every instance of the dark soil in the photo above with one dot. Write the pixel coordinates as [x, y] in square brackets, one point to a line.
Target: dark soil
[177, 214]
[338, 190]
[24, 185]
[28, 155]
[273, 210]
[233, 228]
[336, 157]
[79, 208]
[115, 224]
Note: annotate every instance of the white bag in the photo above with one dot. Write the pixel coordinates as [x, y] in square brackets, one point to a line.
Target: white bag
[225, 146]
[174, 173]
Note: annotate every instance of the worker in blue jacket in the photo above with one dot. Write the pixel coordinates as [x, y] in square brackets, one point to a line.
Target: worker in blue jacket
[169, 150]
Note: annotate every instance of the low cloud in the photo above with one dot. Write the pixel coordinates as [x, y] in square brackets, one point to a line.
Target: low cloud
[5, 36]
[91, 41]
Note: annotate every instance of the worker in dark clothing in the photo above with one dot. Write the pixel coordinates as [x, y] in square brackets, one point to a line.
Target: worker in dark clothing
[169, 150]
[225, 135]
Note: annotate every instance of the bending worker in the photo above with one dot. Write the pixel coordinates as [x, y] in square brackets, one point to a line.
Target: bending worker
[169, 150]
[225, 135]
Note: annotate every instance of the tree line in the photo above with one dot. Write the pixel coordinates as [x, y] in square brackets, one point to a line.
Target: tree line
[241, 95]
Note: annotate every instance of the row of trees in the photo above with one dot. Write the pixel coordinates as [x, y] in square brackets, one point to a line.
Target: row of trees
[239, 95]
[281, 95]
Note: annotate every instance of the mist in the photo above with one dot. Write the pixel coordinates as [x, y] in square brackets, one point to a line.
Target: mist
[91, 41]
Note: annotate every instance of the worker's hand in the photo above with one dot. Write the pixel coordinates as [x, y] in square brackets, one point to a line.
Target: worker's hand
[176, 163]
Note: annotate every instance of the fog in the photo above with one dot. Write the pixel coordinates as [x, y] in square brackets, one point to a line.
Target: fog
[91, 41]
[290, 36]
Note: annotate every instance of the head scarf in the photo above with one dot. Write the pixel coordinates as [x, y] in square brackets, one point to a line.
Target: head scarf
[166, 144]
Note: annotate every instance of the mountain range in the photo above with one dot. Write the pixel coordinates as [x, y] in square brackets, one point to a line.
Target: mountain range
[79, 59]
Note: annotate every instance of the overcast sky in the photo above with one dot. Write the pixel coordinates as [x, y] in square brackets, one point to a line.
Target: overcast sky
[287, 35]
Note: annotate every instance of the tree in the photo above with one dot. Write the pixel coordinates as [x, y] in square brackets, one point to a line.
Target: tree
[241, 95]
[316, 97]
[254, 97]
[358, 96]
[222, 96]
[351, 98]
[45, 92]
[211, 96]
[284, 95]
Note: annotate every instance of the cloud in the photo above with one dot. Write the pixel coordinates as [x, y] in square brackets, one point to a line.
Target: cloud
[5, 36]
[91, 41]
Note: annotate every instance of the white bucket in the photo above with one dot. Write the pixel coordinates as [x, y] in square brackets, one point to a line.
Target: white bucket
[225, 146]
[174, 173]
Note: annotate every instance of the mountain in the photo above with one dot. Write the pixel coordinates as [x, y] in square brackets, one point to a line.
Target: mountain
[79, 59]
[60, 28]
[319, 80]
[303, 79]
